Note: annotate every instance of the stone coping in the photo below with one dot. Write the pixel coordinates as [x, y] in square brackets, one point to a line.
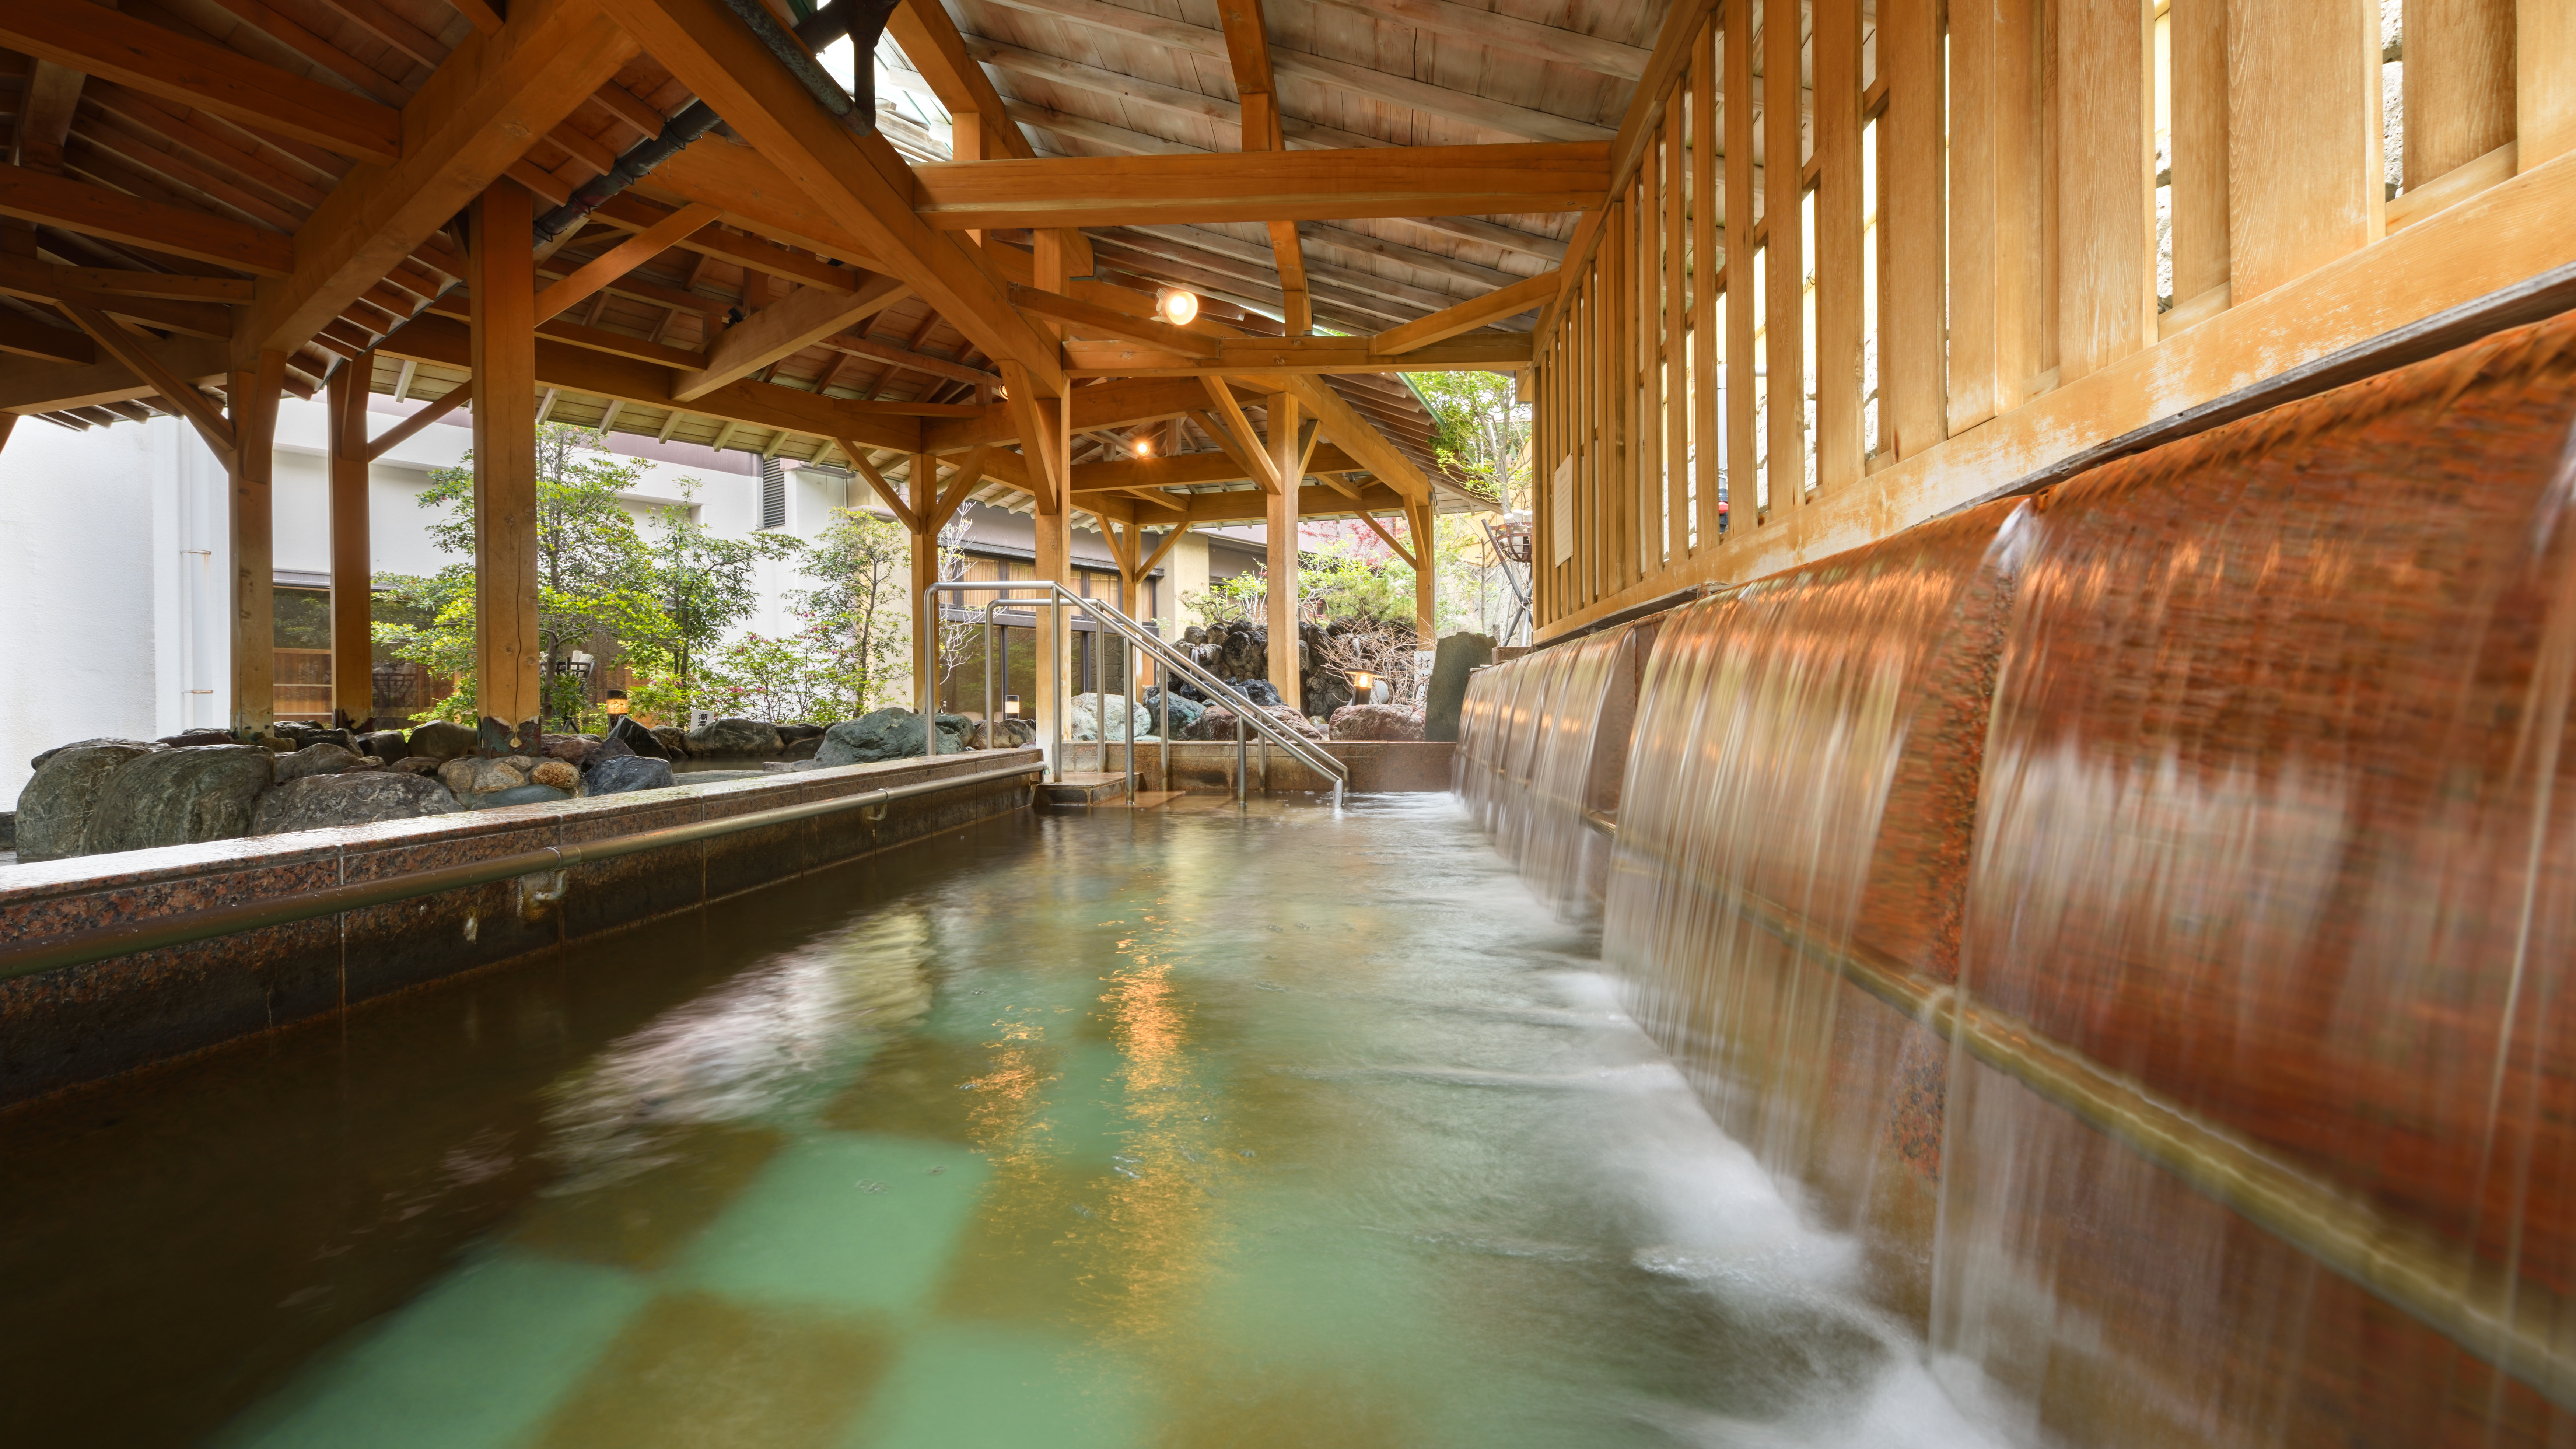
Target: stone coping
[83, 874]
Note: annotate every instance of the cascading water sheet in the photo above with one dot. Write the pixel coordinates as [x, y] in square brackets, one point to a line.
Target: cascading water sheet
[2275, 825]
[1525, 755]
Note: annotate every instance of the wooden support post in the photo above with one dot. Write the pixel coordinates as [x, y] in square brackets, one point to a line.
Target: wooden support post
[1707, 257]
[1419, 523]
[1784, 270]
[2459, 83]
[254, 544]
[1996, 131]
[923, 527]
[1842, 323]
[2106, 182]
[353, 695]
[1282, 530]
[509, 691]
[1910, 158]
[2304, 161]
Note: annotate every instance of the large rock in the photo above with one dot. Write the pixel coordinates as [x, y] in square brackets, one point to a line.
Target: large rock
[440, 741]
[1447, 695]
[319, 758]
[1120, 719]
[618, 774]
[191, 739]
[1376, 722]
[635, 738]
[674, 742]
[559, 774]
[54, 809]
[1297, 723]
[892, 733]
[180, 797]
[523, 795]
[802, 748]
[573, 750]
[357, 797]
[1015, 733]
[1185, 711]
[472, 775]
[789, 734]
[386, 745]
[734, 737]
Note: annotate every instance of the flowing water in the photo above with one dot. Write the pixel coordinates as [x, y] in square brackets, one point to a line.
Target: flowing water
[2141, 917]
[1172, 1128]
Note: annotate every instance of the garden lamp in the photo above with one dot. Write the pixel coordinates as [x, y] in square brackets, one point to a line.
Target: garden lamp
[616, 701]
[1363, 686]
[1010, 706]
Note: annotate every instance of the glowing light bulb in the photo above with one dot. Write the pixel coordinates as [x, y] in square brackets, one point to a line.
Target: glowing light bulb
[1178, 307]
[1144, 447]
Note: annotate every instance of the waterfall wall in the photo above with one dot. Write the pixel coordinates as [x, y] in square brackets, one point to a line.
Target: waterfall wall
[2141, 914]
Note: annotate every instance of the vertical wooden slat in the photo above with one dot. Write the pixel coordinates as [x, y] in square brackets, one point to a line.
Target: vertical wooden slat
[2199, 134]
[2106, 183]
[1593, 516]
[1978, 68]
[1675, 369]
[353, 694]
[504, 353]
[1784, 313]
[1281, 533]
[1645, 290]
[2459, 83]
[2304, 165]
[1909, 156]
[1618, 377]
[1744, 492]
[1842, 316]
[1707, 344]
[2544, 85]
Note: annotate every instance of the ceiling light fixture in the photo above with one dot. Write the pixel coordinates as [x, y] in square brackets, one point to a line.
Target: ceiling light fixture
[1177, 307]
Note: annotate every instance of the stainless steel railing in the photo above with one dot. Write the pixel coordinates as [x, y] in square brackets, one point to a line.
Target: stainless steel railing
[1055, 598]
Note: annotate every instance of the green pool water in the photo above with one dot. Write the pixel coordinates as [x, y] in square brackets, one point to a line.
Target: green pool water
[1189, 1127]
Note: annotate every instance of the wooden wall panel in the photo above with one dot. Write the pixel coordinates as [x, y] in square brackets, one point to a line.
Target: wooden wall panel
[2544, 90]
[1745, 492]
[1909, 155]
[1784, 308]
[2199, 53]
[1842, 316]
[1707, 260]
[2304, 182]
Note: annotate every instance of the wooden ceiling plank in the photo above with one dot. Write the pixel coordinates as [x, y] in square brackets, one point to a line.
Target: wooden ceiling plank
[466, 127]
[392, 29]
[786, 327]
[1497, 31]
[858, 181]
[114, 46]
[857, 345]
[56, 201]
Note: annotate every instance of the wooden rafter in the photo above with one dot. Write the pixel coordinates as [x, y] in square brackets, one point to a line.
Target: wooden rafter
[786, 327]
[146, 363]
[1402, 181]
[1494, 306]
[1247, 46]
[456, 397]
[178, 231]
[596, 274]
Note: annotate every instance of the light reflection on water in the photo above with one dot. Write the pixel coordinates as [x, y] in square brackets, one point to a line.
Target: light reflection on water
[1169, 1129]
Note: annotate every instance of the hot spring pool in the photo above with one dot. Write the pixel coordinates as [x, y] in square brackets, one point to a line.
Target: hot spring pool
[1175, 1128]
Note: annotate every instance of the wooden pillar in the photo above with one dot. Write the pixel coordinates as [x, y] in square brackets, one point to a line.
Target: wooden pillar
[2305, 182]
[254, 544]
[1418, 521]
[353, 694]
[1910, 309]
[1283, 551]
[504, 355]
[923, 573]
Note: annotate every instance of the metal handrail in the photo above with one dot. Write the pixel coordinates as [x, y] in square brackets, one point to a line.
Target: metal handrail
[1245, 711]
[124, 939]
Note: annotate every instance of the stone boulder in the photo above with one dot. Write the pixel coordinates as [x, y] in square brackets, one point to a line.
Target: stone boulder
[470, 775]
[1376, 722]
[1185, 712]
[386, 745]
[319, 758]
[54, 809]
[1215, 722]
[558, 774]
[414, 765]
[734, 737]
[803, 749]
[355, 797]
[1015, 734]
[633, 738]
[790, 734]
[440, 741]
[1260, 691]
[180, 797]
[618, 774]
[1297, 723]
[191, 739]
[522, 795]
[892, 733]
[573, 750]
[674, 742]
[1119, 718]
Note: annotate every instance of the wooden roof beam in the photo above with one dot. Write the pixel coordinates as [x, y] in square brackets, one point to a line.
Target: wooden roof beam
[786, 327]
[1418, 336]
[1271, 186]
[157, 61]
[464, 129]
[1185, 470]
[1247, 46]
[626, 256]
[856, 181]
[57, 201]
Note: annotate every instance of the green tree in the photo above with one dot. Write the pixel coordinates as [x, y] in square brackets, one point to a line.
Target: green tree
[857, 628]
[696, 588]
[1483, 433]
